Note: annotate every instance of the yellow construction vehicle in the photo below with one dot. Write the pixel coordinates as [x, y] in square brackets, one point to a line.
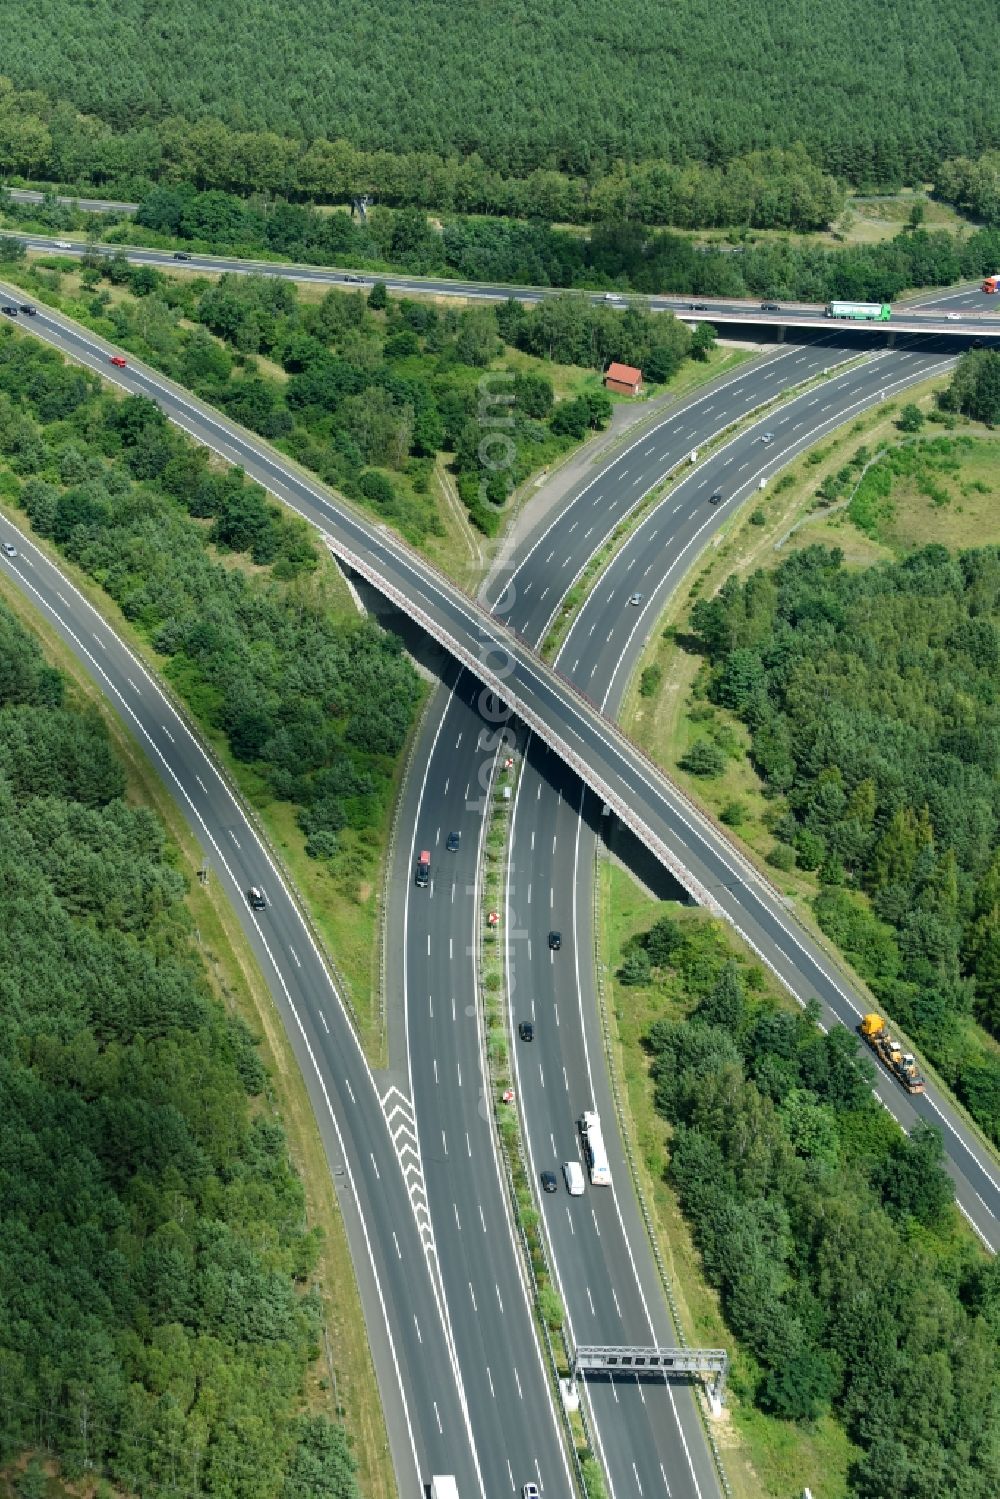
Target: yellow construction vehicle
[899, 1062]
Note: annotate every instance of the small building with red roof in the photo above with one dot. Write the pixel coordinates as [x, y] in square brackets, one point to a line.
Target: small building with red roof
[623, 378]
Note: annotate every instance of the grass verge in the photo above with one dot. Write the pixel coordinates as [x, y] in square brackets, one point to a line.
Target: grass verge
[575, 597]
[342, 1383]
[665, 710]
[762, 1456]
[546, 1303]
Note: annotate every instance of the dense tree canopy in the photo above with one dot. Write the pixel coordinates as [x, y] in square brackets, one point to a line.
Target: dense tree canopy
[377, 389]
[829, 1235]
[320, 706]
[872, 700]
[875, 94]
[617, 254]
[154, 1255]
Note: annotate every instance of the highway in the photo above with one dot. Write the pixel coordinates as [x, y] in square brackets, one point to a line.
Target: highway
[971, 307]
[649, 1438]
[542, 697]
[391, 1242]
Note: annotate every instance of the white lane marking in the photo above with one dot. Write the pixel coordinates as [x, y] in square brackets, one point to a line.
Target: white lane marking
[430, 1006]
[517, 1381]
[499, 1297]
[635, 1470]
[458, 1223]
[444, 1141]
[541, 1079]
[168, 734]
[350, 1090]
[375, 1169]
[295, 957]
[318, 1072]
[565, 1079]
[493, 1392]
[482, 1216]
[100, 642]
[234, 837]
[468, 1144]
[458, 741]
[591, 1300]
[434, 1062]
[201, 783]
[614, 1294]
[473, 1295]
[569, 1219]
[459, 1066]
[597, 1227]
[399, 1252]
[131, 684]
[323, 1019]
[437, 1414]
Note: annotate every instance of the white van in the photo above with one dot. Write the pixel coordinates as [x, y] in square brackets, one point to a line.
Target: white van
[573, 1176]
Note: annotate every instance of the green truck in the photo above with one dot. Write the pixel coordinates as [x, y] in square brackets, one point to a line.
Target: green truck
[861, 312]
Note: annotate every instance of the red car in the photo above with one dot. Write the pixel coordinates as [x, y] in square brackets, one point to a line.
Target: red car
[117, 361]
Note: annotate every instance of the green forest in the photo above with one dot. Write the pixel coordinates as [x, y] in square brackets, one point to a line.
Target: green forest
[873, 702]
[377, 387]
[875, 94]
[156, 1323]
[319, 707]
[830, 1236]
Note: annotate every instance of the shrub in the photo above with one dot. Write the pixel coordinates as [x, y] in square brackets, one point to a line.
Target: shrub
[704, 758]
[782, 856]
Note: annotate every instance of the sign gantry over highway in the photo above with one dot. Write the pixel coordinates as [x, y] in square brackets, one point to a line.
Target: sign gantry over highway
[664, 1363]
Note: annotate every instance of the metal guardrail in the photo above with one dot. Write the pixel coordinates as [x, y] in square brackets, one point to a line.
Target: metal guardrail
[644, 1209]
[500, 1154]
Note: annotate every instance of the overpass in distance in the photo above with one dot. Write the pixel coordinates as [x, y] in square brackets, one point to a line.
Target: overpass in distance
[979, 316]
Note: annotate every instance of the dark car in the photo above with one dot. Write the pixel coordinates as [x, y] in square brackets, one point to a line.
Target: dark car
[769, 307]
[454, 839]
[550, 1182]
[555, 941]
[352, 277]
[181, 255]
[9, 311]
[716, 497]
[255, 896]
[526, 1031]
[27, 308]
[698, 306]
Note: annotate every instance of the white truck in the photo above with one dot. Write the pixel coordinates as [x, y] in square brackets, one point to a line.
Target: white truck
[443, 1486]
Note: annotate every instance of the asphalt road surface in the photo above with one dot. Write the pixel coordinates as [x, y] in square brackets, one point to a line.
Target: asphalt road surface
[451, 614]
[959, 318]
[605, 1273]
